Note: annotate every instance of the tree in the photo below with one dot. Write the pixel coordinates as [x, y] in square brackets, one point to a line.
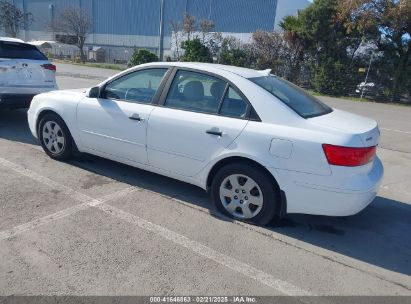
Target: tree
[272, 51]
[75, 22]
[291, 26]
[142, 56]
[189, 25]
[214, 43]
[387, 24]
[325, 43]
[176, 28]
[234, 53]
[12, 19]
[195, 51]
[206, 26]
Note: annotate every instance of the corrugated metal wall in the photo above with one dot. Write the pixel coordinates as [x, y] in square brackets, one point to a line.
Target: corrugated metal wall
[141, 17]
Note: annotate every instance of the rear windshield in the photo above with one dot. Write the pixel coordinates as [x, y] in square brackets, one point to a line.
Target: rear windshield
[17, 50]
[293, 96]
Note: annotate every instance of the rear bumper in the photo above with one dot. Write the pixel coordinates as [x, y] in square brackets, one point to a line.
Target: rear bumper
[309, 196]
[21, 96]
[15, 100]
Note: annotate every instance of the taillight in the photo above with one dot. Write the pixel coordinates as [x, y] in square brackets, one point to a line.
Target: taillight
[49, 66]
[347, 156]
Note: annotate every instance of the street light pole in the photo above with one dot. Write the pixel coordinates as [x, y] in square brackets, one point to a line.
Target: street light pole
[366, 76]
[161, 33]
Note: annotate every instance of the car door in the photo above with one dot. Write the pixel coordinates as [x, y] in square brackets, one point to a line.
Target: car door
[188, 129]
[116, 123]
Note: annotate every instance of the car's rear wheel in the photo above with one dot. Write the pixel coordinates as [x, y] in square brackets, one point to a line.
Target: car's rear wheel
[55, 137]
[244, 193]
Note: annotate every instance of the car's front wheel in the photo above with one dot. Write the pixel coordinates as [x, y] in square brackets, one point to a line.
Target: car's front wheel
[55, 137]
[243, 192]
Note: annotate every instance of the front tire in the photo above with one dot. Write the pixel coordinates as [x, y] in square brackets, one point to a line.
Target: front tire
[55, 137]
[243, 192]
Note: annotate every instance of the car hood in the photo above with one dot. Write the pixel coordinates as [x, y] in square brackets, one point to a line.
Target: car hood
[73, 92]
[348, 123]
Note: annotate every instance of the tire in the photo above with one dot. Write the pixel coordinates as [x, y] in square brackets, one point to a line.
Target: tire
[253, 200]
[55, 137]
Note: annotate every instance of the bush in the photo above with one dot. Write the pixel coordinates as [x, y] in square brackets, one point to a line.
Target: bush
[195, 51]
[332, 78]
[142, 56]
[237, 57]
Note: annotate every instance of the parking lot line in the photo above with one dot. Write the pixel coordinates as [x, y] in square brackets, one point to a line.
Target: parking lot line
[46, 181]
[62, 213]
[205, 251]
[194, 246]
[396, 130]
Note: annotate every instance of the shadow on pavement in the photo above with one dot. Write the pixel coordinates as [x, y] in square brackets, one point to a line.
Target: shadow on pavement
[14, 126]
[380, 235]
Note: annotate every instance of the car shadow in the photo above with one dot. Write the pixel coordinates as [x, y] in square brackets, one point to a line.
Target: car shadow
[14, 126]
[379, 235]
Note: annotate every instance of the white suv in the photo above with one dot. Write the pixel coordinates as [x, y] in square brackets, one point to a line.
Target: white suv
[24, 72]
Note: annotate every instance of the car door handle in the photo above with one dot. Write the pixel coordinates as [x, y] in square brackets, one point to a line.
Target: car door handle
[136, 117]
[215, 132]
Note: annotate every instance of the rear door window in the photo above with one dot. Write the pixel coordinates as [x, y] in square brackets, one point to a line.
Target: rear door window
[195, 92]
[233, 105]
[15, 50]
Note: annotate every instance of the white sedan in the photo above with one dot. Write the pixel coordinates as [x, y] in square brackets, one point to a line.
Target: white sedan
[262, 146]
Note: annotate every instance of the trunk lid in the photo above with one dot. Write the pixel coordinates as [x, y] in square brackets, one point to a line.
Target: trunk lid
[32, 73]
[7, 72]
[348, 123]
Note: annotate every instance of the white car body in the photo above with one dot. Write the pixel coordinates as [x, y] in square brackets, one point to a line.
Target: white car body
[174, 143]
[24, 72]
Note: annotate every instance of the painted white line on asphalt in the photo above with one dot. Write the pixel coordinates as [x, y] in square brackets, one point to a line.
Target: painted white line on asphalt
[45, 181]
[42, 221]
[62, 213]
[198, 248]
[395, 130]
[205, 251]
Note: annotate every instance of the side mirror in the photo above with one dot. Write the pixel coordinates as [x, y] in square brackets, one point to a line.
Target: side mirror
[94, 92]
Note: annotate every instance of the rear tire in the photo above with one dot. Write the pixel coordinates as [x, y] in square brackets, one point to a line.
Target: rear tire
[243, 192]
[55, 137]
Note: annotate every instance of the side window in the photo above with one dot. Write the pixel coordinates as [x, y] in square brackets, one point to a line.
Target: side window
[195, 92]
[233, 105]
[139, 86]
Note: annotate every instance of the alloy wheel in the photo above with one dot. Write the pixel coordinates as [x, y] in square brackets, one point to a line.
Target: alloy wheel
[53, 137]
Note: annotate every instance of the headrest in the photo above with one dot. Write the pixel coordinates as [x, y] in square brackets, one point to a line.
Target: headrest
[194, 90]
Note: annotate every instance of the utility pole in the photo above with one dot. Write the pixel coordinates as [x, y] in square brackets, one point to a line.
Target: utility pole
[366, 76]
[25, 25]
[161, 32]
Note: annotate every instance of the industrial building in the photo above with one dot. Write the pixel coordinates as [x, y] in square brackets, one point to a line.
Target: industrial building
[120, 25]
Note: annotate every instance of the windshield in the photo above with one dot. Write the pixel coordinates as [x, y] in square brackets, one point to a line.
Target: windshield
[293, 96]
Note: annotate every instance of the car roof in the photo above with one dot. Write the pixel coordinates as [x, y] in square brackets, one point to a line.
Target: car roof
[8, 39]
[212, 67]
